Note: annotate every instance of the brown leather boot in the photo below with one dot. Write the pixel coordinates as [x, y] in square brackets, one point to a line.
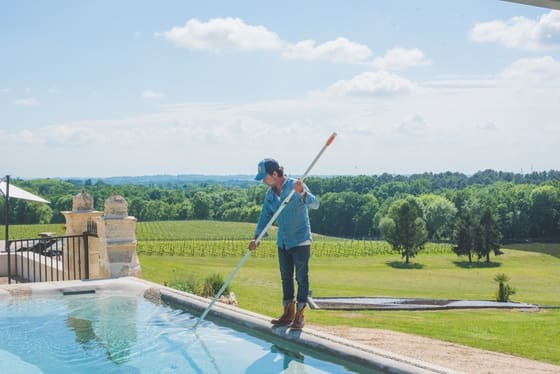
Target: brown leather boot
[299, 320]
[287, 317]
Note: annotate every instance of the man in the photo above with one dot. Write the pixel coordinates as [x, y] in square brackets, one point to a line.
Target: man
[293, 238]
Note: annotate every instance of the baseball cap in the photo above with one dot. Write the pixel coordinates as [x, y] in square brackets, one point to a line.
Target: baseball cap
[266, 166]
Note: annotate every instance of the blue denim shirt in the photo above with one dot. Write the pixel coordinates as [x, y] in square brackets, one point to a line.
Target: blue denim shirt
[293, 222]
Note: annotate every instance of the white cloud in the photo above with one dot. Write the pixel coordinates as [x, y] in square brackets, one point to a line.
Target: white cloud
[535, 70]
[413, 125]
[25, 137]
[4, 90]
[401, 58]
[526, 72]
[233, 34]
[223, 34]
[453, 83]
[521, 32]
[338, 50]
[374, 136]
[148, 94]
[488, 125]
[27, 102]
[74, 136]
[379, 83]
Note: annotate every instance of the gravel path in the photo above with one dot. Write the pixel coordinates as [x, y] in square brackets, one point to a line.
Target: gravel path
[449, 355]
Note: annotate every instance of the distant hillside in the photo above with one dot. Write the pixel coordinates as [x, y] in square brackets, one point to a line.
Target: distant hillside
[437, 180]
[166, 179]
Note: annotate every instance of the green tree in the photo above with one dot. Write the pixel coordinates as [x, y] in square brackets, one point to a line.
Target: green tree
[344, 214]
[42, 213]
[520, 212]
[155, 210]
[202, 204]
[185, 210]
[61, 204]
[545, 211]
[404, 229]
[253, 213]
[365, 216]
[488, 236]
[439, 214]
[135, 207]
[464, 235]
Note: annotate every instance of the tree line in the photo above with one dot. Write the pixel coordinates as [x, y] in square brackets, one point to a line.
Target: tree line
[523, 206]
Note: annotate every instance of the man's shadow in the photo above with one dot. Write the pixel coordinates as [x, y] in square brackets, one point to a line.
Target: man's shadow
[278, 360]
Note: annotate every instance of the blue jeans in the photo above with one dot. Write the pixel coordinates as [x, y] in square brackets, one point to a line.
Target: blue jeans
[296, 258]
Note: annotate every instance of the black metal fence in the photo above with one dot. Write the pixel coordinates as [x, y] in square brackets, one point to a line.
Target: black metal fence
[48, 259]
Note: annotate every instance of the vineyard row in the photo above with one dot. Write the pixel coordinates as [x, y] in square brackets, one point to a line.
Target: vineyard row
[267, 248]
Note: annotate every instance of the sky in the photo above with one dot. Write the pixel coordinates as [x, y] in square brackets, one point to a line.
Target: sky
[131, 87]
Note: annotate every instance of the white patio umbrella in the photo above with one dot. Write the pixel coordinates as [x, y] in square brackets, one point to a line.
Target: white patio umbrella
[18, 193]
[14, 192]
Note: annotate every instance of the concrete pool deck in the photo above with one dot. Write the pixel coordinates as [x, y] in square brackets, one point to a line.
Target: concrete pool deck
[306, 340]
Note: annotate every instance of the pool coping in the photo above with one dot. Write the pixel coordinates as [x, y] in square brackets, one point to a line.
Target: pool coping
[323, 343]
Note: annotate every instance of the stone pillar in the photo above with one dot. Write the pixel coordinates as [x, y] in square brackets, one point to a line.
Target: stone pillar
[112, 253]
[77, 222]
[118, 230]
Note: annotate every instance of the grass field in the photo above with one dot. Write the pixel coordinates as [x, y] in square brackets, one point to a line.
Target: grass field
[32, 231]
[360, 268]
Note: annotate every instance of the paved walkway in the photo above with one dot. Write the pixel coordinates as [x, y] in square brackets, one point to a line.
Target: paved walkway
[450, 355]
[385, 303]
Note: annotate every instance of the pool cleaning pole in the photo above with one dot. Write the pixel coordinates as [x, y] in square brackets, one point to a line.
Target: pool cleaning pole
[263, 232]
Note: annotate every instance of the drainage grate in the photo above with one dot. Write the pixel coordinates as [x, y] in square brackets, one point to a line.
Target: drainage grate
[70, 292]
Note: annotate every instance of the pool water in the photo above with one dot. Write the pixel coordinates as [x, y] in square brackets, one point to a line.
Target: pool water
[123, 334]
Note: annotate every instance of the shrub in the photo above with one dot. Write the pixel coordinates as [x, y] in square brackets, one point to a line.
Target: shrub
[190, 284]
[504, 289]
[212, 285]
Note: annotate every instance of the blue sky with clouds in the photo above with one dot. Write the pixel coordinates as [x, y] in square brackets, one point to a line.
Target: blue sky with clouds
[106, 88]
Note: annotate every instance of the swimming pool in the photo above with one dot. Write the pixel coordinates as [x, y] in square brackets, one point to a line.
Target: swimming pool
[91, 327]
[93, 334]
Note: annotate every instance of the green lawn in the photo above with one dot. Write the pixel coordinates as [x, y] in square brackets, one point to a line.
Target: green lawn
[32, 231]
[534, 275]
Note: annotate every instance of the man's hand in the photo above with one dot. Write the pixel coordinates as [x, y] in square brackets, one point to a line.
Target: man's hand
[252, 245]
[298, 187]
